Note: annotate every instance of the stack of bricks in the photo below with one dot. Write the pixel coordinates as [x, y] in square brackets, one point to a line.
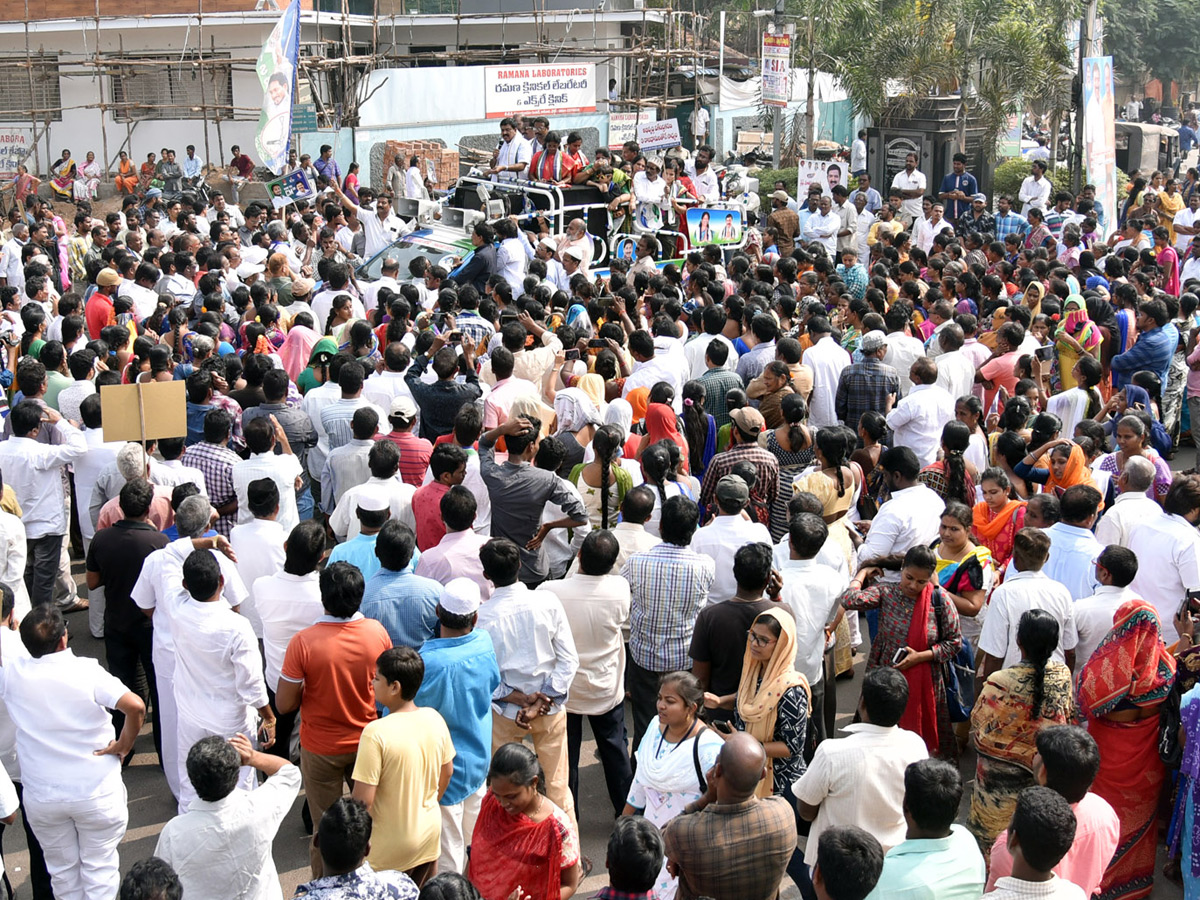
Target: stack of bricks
[445, 161]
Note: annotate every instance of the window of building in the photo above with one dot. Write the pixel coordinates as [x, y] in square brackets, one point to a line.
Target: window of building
[18, 103]
[172, 90]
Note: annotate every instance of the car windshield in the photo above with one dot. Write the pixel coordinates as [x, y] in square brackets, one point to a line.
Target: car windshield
[404, 252]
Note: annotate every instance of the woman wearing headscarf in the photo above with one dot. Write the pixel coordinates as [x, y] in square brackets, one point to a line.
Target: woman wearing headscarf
[1121, 688]
[317, 370]
[577, 418]
[663, 425]
[772, 701]
[1067, 466]
[1076, 335]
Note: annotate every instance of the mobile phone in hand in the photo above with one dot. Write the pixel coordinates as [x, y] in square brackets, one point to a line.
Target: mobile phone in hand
[571, 354]
[899, 656]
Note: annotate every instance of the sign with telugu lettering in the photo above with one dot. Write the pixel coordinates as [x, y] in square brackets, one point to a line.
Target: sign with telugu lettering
[15, 146]
[544, 90]
[622, 126]
[776, 69]
[658, 135]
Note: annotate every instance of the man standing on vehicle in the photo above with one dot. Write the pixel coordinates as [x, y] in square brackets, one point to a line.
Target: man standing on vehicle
[379, 229]
[513, 154]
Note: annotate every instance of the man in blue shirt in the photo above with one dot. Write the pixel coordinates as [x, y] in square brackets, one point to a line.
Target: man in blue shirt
[403, 602]
[461, 673]
[1008, 222]
[1156, 343]
[373, 512]
[874, 200]
[958, 188]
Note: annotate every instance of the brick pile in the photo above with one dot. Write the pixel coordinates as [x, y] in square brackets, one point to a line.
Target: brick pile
[445, 161]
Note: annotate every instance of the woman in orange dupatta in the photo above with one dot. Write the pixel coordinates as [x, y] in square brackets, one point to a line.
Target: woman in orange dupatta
[663, 425]
[926, 627]
[1121, 689]
[996, 519]
[521, 839]
[1067, 467]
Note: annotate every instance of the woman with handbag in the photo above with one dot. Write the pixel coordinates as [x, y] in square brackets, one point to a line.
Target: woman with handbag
[1012, 706]
[672, 761]
[918, 634]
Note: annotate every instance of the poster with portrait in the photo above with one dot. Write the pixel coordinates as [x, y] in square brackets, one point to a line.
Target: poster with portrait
[1099, 134]
[823, 173]
[706, 225]
[276, 70]
[289, 188]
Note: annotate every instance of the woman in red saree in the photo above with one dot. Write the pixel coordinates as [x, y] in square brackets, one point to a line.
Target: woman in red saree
[921, 620]
[1121, 688]
[996, 519]
[521, 838]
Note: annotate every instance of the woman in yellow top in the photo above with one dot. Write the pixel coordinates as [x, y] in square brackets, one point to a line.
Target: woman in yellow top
[1170, 201]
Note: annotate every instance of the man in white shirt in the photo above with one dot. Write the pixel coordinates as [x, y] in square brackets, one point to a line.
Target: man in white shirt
[1187, 224]
[811, 591]
[1093, 619]
[1035, 189]
[383, 458]
[726, 534]
[236, 827]
[918, 419]
[912, 516]
[901, 350]
[1132, 506]
[1073, 547]
[650, 367]
[712, 321]
[858, 154]
[823, 226]
[219, 683]
[926, 229]
[826, 359]
[34, 471]
[513, 154]
[387, 279]
[1168, 552]
[513, 255]
[909, 185]
[596, 603]
[262, 435]
[1029, 588]
[859, 779]
[700, 169]
[380, 226]
[258, 544]
[70, 756]
[538, 662]
[956, 370]
[1191, 265]
[12, 271]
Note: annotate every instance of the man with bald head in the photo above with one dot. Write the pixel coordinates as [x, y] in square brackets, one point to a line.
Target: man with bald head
[731, 843]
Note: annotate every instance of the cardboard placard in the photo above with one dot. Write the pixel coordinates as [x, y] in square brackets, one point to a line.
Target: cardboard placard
[144, 412]
[658, 135]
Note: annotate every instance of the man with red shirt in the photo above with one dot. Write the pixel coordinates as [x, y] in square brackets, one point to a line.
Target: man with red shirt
[414, 451]
[241, 168]
[327, 674]
[99, 309]
[448, 467]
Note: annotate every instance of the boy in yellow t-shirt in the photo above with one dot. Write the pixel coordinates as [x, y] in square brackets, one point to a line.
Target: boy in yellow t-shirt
[404, 764]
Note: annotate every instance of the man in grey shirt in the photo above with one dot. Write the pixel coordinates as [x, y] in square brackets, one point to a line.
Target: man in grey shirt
[519, 492]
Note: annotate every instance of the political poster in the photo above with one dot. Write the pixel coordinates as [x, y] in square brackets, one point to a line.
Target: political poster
[658, 135]
[1099, 134]
[291, 187]
[623, 126]
[776, 69]
[715, 226]
[550, 90]
[824, 174]
[276, 69]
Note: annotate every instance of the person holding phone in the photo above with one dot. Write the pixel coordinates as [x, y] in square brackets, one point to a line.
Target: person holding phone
[918, 632]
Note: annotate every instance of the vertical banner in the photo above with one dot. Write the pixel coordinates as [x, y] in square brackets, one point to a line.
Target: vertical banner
[776, 69]
[276, 68]
[1099, 136]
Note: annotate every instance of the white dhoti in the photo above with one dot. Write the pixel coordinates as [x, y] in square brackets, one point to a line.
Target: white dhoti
[79, 839]
[458, 824]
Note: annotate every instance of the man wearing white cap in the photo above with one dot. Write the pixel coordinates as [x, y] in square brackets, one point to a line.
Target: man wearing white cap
[249, 272]
[461, 674]
[556, 275]
[373, 512]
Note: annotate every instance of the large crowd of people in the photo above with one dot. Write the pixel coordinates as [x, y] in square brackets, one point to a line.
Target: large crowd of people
[420, 527]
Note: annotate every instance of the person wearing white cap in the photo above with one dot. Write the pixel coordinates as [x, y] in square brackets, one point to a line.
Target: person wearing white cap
[556, 275]
[248, 272]
[372, 511]
[461, 673]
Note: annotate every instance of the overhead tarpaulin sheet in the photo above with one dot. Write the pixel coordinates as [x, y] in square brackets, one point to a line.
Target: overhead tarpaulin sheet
[748, 93]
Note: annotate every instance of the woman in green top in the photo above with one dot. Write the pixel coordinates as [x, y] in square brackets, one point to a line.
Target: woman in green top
[318, 365]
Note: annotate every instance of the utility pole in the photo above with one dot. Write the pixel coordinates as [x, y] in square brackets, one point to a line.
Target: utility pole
[777, 111]
[1087, 24]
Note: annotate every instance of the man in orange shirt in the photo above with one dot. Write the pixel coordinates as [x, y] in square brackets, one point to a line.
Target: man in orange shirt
[327, 674]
